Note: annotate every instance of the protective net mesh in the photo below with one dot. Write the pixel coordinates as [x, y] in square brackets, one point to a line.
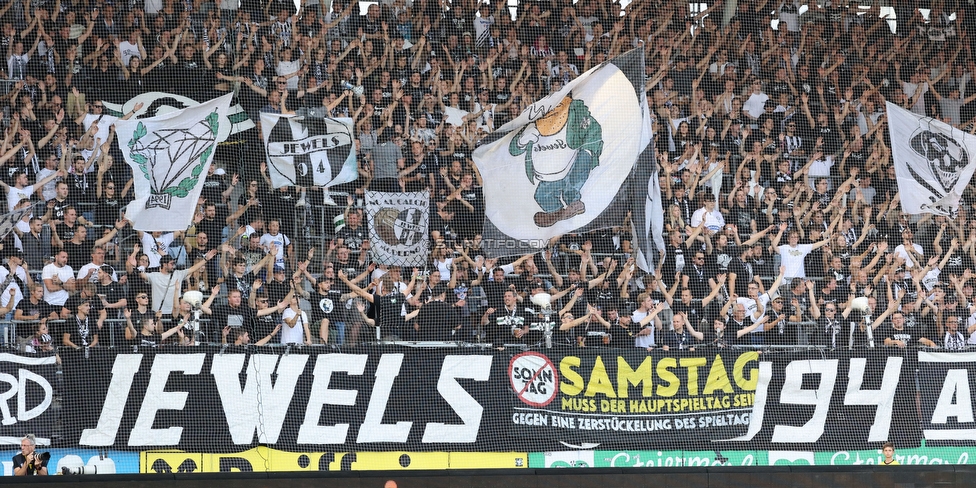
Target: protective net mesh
[271, 236]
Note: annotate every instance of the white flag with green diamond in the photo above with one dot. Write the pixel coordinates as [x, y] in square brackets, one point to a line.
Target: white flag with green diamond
[169, 155]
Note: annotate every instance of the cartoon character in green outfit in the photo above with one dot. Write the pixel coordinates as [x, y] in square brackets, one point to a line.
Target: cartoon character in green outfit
[560, 148]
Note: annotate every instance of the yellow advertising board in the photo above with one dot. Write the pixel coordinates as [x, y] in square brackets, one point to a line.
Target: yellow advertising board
[264, 459]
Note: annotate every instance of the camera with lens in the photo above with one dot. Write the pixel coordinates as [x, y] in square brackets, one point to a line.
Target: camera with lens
[78, 470]
[44, 456]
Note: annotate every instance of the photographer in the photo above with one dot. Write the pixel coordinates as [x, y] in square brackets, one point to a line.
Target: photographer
[29, 462]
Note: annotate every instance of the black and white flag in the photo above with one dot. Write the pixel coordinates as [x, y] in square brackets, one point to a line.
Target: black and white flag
[933, 162]
[398, 227]
[309, 151]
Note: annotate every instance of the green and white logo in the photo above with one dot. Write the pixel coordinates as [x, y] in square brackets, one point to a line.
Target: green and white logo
[172, 160]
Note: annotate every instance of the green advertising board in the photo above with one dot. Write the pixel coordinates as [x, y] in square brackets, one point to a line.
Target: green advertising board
[667, 459]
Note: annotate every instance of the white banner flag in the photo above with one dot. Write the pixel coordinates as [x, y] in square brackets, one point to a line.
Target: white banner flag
[933, 162]
[308, 150]
[564, 165]
[398, 227]
[169, 155]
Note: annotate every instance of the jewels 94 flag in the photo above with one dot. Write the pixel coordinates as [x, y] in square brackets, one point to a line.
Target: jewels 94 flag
[934, 162]
[309, 150]
[398, 227]
[565, 163]
[170, 155]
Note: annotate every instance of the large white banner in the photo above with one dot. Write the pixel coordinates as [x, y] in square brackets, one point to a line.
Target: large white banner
[933, 162]
[169, 155]
[309, 151]
[398, 227]
[564, 163]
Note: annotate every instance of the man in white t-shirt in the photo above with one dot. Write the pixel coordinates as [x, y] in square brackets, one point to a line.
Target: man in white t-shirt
[482, 24]
[59, 280]
[281, 242]
[755, 106]
[296, 326]
[793, 254]
[49, 189]
[646, 317]
[911, 252]
[103, 123]
[21, 189]
[709, 214]
[132, 47]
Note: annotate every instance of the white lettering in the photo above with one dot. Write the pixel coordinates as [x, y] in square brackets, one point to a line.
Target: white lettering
[883, 398]
[477, 368]
[956, 386]
[123, 371]
[22, 412]
[794, 394]
[246, 409]
[143, 433]
[373, 428]
[326, 364]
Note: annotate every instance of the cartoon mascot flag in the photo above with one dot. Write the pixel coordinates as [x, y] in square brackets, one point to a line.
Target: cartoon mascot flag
[569, 142]
[566, 163]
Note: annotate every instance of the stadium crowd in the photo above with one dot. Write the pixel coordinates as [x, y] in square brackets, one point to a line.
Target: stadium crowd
[773, 153]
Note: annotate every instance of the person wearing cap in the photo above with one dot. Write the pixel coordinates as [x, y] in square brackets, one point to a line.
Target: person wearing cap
[168, 281]
[15, 278]
[109, 291]
[216, 188]
[278, 285]
[296, 325]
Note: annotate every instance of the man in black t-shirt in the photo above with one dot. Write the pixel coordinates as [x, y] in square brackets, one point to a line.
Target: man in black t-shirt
[897, 335]
[508, 324]
[682, 336]
[233, 314]
[437, 319]
[28, 462]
